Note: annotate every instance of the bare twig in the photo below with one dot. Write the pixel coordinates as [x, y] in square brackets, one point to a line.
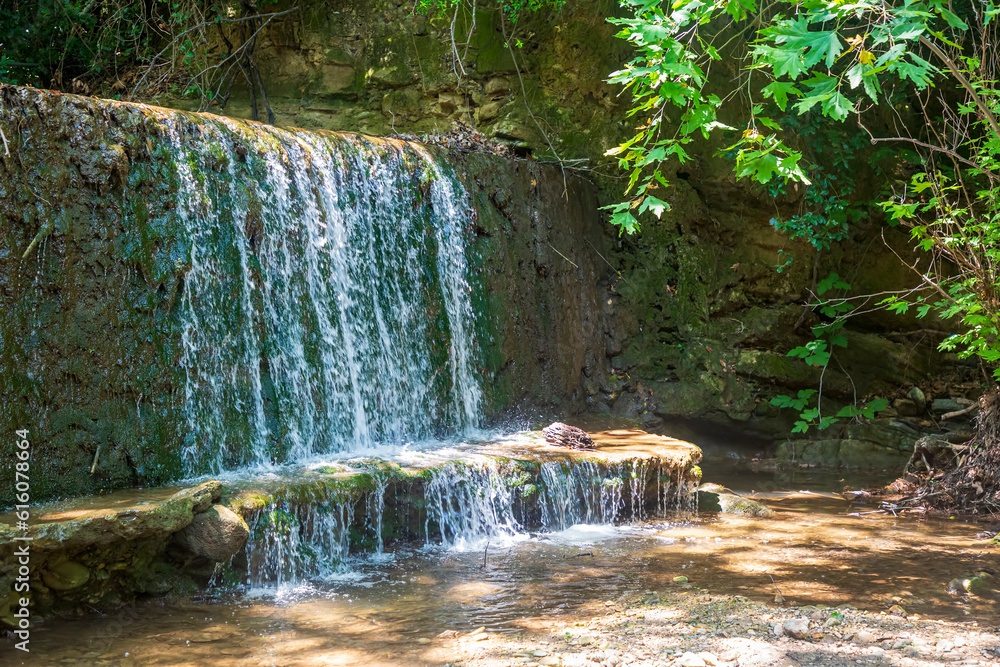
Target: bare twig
[957, 73]
[563, 256]
[217, 19]
[959, 413]
[950, 153]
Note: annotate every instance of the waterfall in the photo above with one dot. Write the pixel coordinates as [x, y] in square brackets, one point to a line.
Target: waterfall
[325, 305]
[311, 530]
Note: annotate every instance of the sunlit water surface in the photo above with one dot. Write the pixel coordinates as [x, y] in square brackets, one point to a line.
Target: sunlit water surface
[818, 549]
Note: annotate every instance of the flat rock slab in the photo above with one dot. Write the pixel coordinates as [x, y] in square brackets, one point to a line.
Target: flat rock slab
[613, 446]
[77, 524]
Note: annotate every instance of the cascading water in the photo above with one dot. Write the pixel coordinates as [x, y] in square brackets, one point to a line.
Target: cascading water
[325, 308]
[325, 305]
[463, 504]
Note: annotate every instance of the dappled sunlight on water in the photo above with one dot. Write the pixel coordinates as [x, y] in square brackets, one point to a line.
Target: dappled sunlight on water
[814, 551]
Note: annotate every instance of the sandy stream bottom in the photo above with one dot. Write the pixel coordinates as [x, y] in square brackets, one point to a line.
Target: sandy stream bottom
[595, 595]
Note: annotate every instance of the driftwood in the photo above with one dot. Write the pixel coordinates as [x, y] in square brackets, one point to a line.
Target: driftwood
[564, 435]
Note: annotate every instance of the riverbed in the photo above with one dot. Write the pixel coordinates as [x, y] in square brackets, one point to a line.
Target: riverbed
[486, 601]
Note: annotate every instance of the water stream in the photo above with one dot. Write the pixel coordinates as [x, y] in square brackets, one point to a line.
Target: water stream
[374, 611]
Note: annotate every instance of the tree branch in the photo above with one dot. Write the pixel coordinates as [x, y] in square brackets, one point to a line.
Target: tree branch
[217, 19]
[990, 118]
[938, 149]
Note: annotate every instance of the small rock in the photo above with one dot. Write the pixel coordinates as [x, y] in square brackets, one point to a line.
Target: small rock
[900, 643]
[942, 405]
[709, 658]
[778, 630]
[796, 627]
[690, 660]
[680, 580]
[906, 407]
[918, 398]
[944, 646]
[423, 640]
[865, 637]
[549, 660]
[66, 576]
[216, 534]
[539, 653]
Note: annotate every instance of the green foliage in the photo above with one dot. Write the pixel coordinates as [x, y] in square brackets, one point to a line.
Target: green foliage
[81, 45]
[830, 203]
[834, 59]
[821, 56]
[946, 224]
[819, 352]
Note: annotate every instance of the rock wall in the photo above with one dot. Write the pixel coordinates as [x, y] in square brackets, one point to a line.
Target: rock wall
[378, 67]
[698, 320]
[90, 334]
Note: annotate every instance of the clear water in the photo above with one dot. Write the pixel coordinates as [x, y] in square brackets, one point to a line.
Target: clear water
[816, 550]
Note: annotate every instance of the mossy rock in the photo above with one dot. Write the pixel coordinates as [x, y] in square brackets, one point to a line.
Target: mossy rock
[730, 503]
[66, 576]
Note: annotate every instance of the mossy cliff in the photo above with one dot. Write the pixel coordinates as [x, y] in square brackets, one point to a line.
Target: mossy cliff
[94, 255]
[698, 320]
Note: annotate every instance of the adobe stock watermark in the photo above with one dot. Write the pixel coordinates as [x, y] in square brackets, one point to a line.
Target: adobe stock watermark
[22, 510]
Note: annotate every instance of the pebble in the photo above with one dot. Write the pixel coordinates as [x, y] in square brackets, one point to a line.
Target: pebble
[865, 637]
[691, 660]
[549, 660]
[423, 640]
[539, 653]
[796, 627]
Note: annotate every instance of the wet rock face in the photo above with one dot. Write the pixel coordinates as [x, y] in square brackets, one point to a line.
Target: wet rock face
[95, 305]
[216, 534]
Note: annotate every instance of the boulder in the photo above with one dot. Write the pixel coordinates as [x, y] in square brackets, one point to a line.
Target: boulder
[216, 534]
[942, 406]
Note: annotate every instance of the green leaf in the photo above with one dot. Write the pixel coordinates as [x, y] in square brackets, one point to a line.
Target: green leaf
[779, 91]
[781, 61]
[953, 20]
